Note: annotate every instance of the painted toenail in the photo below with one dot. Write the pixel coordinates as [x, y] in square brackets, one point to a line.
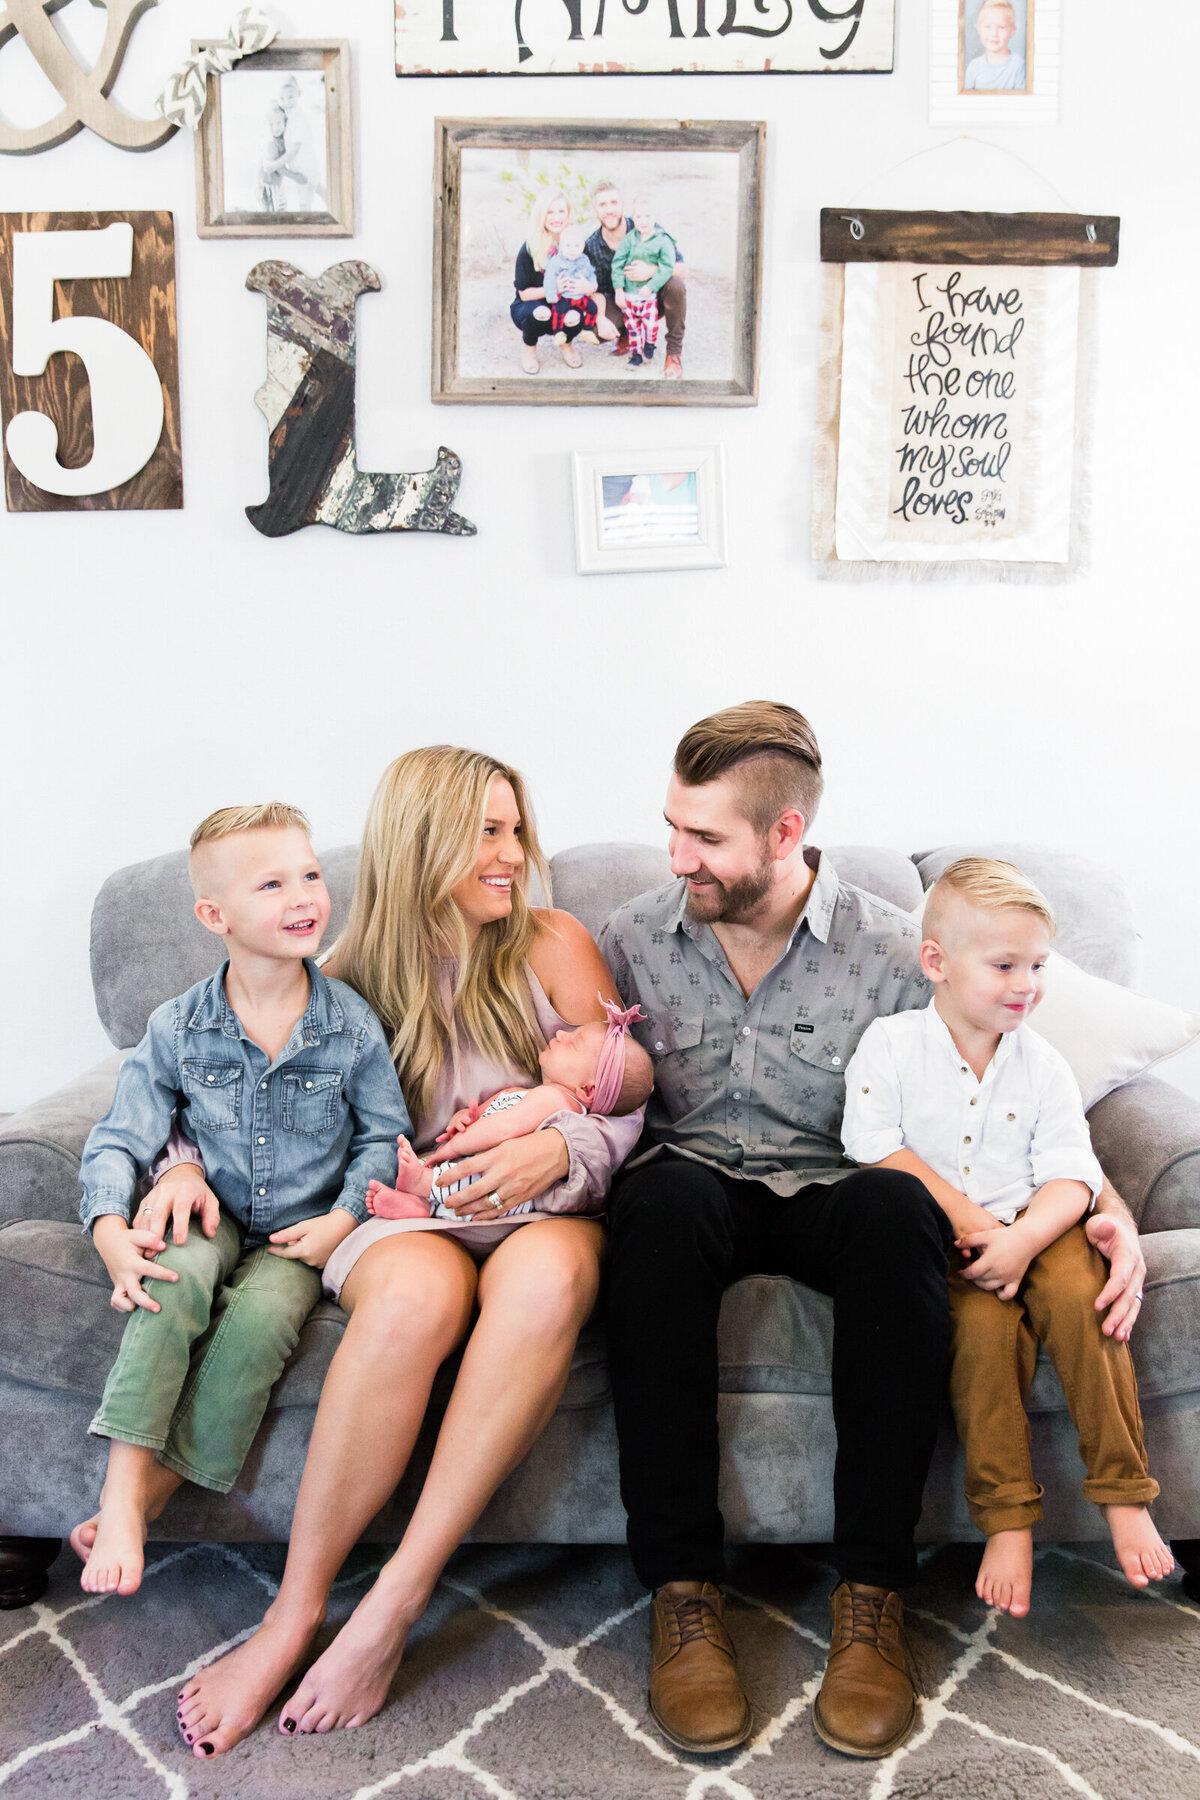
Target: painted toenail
[207, 1749]
[188, 1738]
[289, 1724]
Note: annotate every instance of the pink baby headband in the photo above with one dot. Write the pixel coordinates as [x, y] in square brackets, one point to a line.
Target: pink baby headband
[610, 1070]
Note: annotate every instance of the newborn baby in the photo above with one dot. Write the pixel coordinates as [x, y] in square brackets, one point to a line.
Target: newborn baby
[596, 1068]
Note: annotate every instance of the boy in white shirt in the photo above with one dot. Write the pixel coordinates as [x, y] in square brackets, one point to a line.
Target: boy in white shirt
[989, 1117]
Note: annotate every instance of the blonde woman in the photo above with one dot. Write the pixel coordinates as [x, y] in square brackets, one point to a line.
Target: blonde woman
[547, 218]
[470, 981]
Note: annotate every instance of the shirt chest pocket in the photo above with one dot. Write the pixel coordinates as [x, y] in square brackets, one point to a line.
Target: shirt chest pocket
[312, 1101]
[214, 1093]
[816, 1077]
[665, 1037]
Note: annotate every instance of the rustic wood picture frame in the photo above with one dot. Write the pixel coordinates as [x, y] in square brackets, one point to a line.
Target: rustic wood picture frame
[332, 57]
[744, 139]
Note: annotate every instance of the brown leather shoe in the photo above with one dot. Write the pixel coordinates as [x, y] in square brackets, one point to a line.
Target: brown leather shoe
[695, 1695]
[867, 1705]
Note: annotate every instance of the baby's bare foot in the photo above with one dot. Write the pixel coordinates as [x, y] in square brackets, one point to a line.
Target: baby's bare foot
[1140, 1551]
[349, 1684]
[223, 1703]
[1006, 1572]
[390, 1203]
[117, 1556]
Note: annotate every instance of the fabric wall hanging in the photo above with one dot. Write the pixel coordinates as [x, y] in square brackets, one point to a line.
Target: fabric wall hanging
[84, 92]
[89, 378]
[625, 37]
[953, 390]
[308, 402]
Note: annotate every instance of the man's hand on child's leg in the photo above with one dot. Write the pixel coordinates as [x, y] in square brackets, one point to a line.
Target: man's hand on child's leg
[1115, 1236]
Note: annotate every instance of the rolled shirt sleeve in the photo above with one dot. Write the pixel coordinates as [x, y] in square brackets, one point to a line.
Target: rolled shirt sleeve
[380, 1117]
[119, 1149]
[871, 1122]
[597, 1145]
[1062, 1145]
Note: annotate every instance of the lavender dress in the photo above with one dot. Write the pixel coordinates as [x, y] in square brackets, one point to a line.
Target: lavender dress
[596, 1147]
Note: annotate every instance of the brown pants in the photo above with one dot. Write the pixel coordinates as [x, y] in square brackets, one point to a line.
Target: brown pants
[994, 1348]
[672, 304]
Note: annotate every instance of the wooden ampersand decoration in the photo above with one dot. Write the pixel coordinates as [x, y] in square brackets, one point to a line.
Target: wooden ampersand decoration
[84, 92]
[308, 402]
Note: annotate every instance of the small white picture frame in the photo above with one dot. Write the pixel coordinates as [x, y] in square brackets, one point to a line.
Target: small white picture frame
[979, 78]
[638, 511]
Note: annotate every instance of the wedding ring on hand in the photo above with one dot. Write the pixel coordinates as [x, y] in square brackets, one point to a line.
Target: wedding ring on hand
[1137, 1296]
[494, 1200]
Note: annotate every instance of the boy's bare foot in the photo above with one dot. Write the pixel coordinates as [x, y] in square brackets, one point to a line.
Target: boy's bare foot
[222, 1704]
[1140, 1551]
[1006, 1572]
[117, 1556]
[161, 1483]
[349, 1684]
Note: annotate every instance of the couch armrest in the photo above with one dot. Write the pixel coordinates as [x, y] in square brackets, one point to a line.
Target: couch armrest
[1147, 1136]
[40, 1147]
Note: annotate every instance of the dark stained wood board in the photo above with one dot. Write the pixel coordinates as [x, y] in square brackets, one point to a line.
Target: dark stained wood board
[142, 304]
[1033, 240]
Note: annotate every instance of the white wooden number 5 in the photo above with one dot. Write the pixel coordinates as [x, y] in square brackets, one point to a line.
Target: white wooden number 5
[127, 401]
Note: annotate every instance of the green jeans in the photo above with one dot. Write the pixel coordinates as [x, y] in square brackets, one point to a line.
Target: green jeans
[192, 1381]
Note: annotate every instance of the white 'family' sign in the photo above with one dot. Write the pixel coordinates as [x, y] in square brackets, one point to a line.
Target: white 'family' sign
[619, 37]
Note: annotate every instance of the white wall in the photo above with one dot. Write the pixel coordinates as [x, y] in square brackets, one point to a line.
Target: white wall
[157, 665]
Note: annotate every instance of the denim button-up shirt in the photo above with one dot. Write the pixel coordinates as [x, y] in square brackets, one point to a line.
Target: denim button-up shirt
[282, 1141]
[756, 1085]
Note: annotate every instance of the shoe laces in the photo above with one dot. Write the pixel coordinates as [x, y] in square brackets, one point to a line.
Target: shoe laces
[866, 1616]
[691, 1616]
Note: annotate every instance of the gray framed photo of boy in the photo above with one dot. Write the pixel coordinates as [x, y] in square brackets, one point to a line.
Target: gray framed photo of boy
[274, 149]
[994, 62]
[603, 262]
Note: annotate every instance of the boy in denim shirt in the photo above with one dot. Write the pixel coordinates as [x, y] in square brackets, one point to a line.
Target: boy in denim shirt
[284, 1080]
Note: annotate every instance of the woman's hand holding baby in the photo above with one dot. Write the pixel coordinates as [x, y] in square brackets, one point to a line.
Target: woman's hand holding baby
[518, 1170]
[313, 1241]
[126, 1252]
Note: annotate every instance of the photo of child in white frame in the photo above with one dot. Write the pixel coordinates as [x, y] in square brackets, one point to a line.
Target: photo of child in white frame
[996, 45]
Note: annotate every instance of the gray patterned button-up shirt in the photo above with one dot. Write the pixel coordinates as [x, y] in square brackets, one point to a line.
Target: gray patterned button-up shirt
[756, 1086]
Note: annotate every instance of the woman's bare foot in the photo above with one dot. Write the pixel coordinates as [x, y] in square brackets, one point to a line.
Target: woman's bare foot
[349, 1684]
[529, 360]
[222, 1704]
[118, 1553]
[1006, 1572]
[1140, 1551]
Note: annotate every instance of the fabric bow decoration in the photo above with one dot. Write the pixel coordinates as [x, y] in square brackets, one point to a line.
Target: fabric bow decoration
[185, 96]
[610, 1070]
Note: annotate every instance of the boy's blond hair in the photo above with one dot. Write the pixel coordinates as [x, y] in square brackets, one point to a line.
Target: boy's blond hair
[982, 883]
[998, 6]
[229, 821]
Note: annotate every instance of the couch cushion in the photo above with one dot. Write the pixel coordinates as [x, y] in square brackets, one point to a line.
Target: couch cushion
[58, 1331]
[41, 1145]
[1095, 918]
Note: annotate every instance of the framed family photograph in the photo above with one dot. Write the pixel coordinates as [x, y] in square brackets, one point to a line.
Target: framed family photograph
[597, 263]
[641, 511]
[994, 61]
[274, 148]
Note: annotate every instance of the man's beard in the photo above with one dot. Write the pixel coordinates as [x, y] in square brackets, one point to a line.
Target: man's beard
[730, 902]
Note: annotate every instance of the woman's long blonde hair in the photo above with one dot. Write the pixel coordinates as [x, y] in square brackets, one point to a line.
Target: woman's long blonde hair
[539, 241]
[421, 839]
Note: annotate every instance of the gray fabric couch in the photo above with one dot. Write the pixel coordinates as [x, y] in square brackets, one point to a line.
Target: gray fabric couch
[58, 1334]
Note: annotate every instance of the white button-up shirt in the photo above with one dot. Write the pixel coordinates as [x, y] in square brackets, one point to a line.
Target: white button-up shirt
[997, 1140]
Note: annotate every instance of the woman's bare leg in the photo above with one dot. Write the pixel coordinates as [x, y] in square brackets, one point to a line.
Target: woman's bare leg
[535, 1291]
[410, 1300]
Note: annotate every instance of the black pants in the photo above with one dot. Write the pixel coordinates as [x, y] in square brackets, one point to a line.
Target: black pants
[877, 1242]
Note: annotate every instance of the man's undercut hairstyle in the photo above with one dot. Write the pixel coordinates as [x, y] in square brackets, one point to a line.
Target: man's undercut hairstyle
[769, 752]
[604, 187]
[983, 883]
[230, 821]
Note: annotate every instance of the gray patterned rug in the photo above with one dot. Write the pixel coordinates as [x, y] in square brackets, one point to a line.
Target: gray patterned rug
[526, 1682]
